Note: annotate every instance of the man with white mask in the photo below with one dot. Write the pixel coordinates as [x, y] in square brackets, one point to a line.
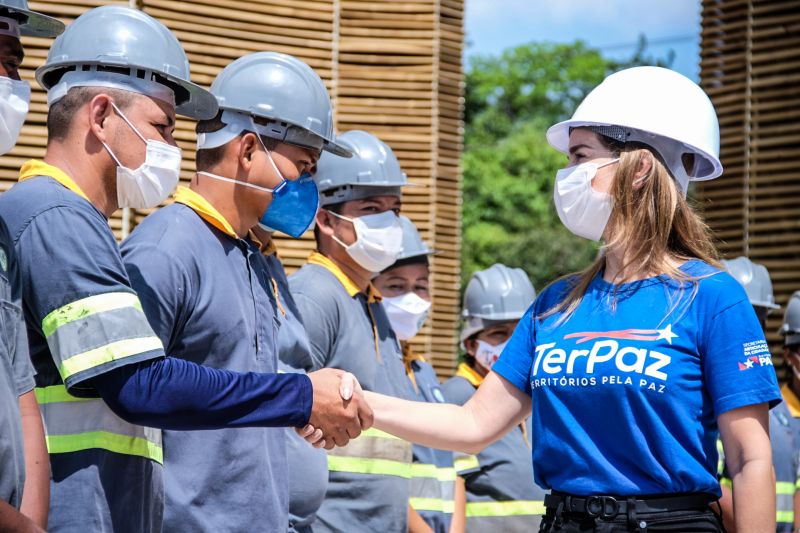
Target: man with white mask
[358, 234]
[499, 492]
[25, 473]
[115, 80]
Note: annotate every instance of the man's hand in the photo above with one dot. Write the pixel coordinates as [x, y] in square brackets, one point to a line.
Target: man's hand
[337, 412]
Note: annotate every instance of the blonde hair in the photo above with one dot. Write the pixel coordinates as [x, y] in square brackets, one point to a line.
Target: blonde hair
[651, 221]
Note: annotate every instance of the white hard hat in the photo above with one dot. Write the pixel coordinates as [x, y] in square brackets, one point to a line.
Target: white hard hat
[655, 106]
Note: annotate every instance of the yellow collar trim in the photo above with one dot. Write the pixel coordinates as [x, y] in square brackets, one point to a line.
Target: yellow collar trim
[186, 196]
[37, 167]
[352, 289]
[469, 374]
[269, 248]
[792, 402]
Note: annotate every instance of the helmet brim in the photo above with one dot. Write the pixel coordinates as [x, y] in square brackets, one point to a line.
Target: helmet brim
[336, 149]
[38, 25]
[558, 137]
[201, 105]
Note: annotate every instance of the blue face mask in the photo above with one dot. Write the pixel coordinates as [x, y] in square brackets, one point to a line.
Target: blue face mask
[293, 208]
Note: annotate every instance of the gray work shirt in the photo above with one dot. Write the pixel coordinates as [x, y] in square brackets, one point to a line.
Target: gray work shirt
[16, 373]
[208, 296]
[503, 473]
[308, 466]
[368, 486]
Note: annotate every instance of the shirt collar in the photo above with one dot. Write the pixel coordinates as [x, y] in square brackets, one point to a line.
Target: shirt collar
[316, 258]
[192, 199]
[37, 167]
[792, 402]
[469, 374]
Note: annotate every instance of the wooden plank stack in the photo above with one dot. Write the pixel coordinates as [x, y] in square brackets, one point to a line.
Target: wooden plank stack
[749, 66]
[393, 68]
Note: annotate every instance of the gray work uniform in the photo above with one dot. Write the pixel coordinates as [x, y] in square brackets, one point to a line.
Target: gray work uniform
[308, 466]
[368, 487]
[501, 493]
[208, 296]
[16, 374]
[433, 475]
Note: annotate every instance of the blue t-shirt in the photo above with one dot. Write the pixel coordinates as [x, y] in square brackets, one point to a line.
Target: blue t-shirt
[627, 391]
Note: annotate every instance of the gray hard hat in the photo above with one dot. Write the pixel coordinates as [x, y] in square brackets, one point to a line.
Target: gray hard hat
[30, 22]
[372, 171]
[791, 320]
[755, 280]
[495, 295]
[124, 48]
[284, 90]
[413, 245]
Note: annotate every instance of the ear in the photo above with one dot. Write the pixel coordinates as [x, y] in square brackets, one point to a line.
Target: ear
[325, 222]
[248, 146]
[98, 111]
[644, 169]
[471, 345]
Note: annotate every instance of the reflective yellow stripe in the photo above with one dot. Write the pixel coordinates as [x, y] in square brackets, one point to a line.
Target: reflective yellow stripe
[784, 487]
[510, 508]
[797, 485]
[372, 432]
[106, 441]
[55, 394]
[105, 354]
[86, 307]
[433, 471]
[725, 482]
[466, 463]
[433, 505]
[358, 465]
[786, 517]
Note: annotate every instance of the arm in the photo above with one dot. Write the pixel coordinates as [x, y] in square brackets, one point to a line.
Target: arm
[459, 521]
[36, 495]
[726, 506]
[163, 393]
[415, 522]
[745, 438]
[492, 412]
[12, 521]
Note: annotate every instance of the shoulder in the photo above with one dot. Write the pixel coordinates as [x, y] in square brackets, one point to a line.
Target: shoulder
[716, 289]
[173, 227]
[553, 293]
[318, 283]
[44, 197]
[457, 390]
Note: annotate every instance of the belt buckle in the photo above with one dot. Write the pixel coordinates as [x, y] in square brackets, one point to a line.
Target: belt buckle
[602, 506]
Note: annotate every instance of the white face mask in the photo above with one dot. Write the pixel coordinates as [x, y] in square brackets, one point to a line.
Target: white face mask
[154, 180]
[407, 313]
[583, 210]
[379, 240]
[487, 354]
[15, 97]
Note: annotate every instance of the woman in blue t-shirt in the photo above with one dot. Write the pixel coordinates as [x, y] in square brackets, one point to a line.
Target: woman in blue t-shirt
[631, 368]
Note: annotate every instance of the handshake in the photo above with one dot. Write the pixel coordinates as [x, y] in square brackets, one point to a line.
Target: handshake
[339, 412]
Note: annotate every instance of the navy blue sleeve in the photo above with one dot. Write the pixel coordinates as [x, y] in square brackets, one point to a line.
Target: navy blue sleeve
[166, 393]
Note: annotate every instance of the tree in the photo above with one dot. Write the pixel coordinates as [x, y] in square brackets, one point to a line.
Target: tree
[509, 168]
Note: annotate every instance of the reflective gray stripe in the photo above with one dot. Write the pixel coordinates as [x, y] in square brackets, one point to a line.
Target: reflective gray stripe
[96, 330]
[369, 447]
[785, 503]
[91, 416]
[504, 524]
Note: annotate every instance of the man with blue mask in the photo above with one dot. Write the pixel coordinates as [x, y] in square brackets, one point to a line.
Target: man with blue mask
[209, 292]
[115, 80]
[358, 234]
[23, 454]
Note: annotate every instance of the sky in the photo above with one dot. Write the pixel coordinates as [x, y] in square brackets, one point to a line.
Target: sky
[613, 26]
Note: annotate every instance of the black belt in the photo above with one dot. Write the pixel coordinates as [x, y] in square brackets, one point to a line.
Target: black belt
[609, 507]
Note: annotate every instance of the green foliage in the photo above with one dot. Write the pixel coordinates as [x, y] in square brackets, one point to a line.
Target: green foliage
[509, 168]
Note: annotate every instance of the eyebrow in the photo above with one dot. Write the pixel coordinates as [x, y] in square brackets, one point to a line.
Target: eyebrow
[573, 149]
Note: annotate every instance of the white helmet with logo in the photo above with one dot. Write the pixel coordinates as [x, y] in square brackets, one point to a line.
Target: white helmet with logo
[655, 106]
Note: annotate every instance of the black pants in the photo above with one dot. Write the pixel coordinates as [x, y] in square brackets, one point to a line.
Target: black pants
[684, 521]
